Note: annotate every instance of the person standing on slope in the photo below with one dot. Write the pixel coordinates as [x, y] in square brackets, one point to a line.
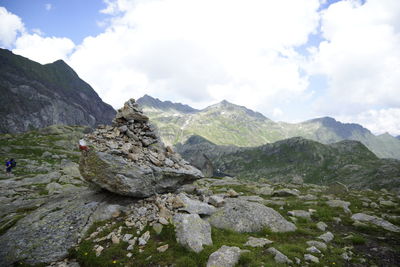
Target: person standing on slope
[9, 165]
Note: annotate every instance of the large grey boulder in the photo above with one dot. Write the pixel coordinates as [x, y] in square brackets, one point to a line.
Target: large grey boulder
[50, 231]
[192, 232]
[243, 216]
[224, 257]
[129, 159]
[361, 217]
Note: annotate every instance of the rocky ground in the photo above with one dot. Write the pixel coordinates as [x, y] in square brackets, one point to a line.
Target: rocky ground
[50, 216]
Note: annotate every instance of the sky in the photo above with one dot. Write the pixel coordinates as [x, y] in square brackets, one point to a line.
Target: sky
[291, 60]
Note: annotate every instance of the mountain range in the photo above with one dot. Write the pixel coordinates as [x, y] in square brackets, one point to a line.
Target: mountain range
[228, 124]
[347, 161]
[35, 96]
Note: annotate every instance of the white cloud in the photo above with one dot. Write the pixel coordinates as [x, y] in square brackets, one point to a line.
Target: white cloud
[48, 6]
[378, 121]
[360, 57]
[10, 26]
[43, 49]
[200, 52]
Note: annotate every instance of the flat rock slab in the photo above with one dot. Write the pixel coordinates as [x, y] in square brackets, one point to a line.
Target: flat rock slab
[286, 192]
[337, 203]
[47, 233]
[224, 257]
[192, 232]
[257, 242]
[361, 217]
[300, 214]
[243, 216]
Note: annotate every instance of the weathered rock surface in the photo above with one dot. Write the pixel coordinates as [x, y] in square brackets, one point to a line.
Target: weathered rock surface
[257, 242]
[317, 244]
[327, 237]
[361, 217]
[337, 203]
[243, 216]
[129, 159]
[47, 233]
[192, 232]
[279, 257]
[195, 206]
[224, 257]
[35, 96]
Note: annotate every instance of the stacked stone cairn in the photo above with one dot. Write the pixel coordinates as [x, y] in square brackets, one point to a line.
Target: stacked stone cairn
[129, 158]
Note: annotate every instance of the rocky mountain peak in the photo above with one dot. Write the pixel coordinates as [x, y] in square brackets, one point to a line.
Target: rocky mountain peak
[225, 105]
[36, 96]
[343, 130]
[129, 159]
[147, 101]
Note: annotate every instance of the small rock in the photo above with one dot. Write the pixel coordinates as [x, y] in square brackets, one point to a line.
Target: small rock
[313, 249]
[311, 258]
[322, 226]
[300, 213]
[279, 256]
[163, 221]
[157, 228]
[129, 255]
[114, 239]
[144, 238]
[327, 237]
[308, 197]
[387, 203]
[336, 203]
[286, 192]
[232, 193]
[317, 244]
[374, 205]
[216, 201]
[98, 250]
[266, 191]
[162, 248]
[127, 237]
[257, 242]
[345, 256]
[224, 257]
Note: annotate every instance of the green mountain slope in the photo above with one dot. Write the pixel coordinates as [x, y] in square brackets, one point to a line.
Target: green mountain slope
[229, 124]
[36, 96]
[349, 162]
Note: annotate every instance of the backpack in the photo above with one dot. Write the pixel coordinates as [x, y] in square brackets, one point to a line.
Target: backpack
[13, 164]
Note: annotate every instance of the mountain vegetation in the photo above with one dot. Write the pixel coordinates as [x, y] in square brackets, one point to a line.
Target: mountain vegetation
[229, 124]
[35, 96]
[349, 162]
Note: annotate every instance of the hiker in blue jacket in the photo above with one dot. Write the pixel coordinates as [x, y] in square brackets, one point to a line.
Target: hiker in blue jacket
[9, 165]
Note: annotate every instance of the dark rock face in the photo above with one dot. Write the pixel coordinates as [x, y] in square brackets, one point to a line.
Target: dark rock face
[129, 159]
[35, 96]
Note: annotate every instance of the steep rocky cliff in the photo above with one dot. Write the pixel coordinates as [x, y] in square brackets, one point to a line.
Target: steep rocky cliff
[35, 96]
